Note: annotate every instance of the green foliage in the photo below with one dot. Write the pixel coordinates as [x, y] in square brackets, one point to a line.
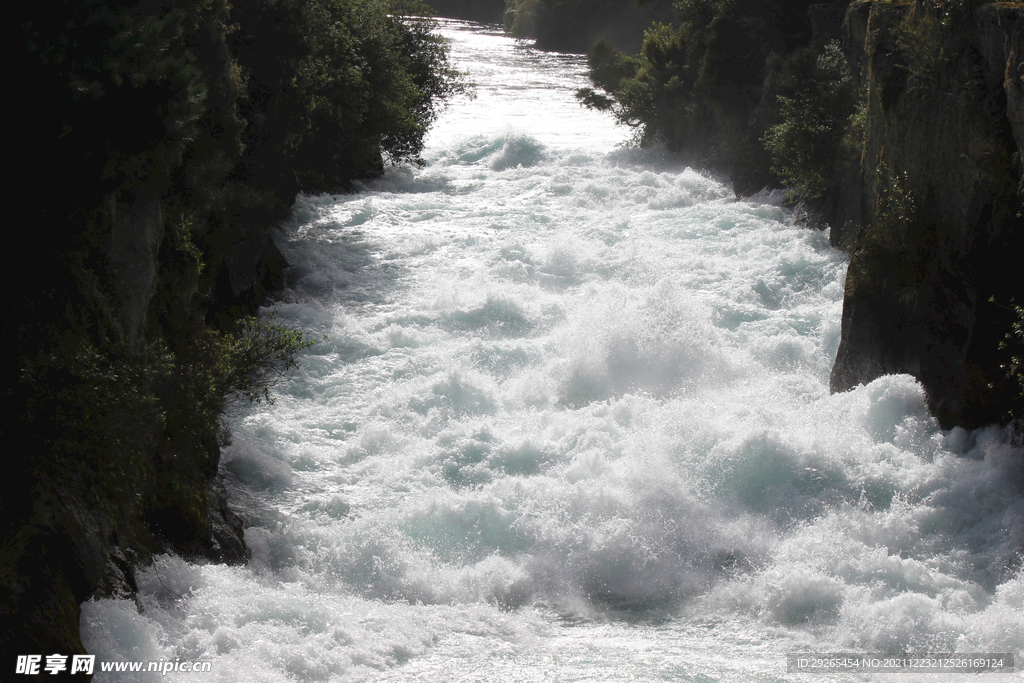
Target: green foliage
[216, 371]
[179, 135]
[651, 91]
[338, 83]
[609, 66]
[694, 86]
[922, 44]
[261, 354]
[574, 25]
[100, 417]
[87, 421]
[212, 374]
[901, 242]
[1013, 347]
[524, 17]
[932, 38]
[897, 207]
[817, 104]
[369, 76]
[98, 400]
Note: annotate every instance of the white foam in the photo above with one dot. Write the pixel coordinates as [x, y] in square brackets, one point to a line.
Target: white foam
[577, 394]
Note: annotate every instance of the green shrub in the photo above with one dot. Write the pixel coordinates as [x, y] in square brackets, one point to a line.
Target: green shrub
[817, 105]
[1013, 347]
[694, 86]
[652, 91]
[524, 17]
[932, 38]
[187, 129]
[575, 25]
[216, 371]
[334, 84]
[261, 354]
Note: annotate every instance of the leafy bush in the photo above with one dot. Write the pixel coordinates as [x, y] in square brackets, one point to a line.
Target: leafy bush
[932, 38]
[260, 355]
[179, 135]
[652, 91]
[1013, 347]
[218, 371]
[574, 25]
[695, 86]
[332, 85]
[817, 103]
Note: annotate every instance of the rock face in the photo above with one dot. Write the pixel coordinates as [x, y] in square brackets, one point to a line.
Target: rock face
[156, 171]
[76, 520]
[934, 217]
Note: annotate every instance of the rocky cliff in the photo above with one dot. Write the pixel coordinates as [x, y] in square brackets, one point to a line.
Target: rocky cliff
[933, 218]
[169, 142]
[898, 124]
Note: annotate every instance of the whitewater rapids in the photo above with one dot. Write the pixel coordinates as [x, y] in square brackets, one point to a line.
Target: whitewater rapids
[571, 422]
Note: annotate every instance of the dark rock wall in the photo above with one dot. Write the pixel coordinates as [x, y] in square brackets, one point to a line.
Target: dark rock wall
[933, 218]
[76, 519]
[150, 175]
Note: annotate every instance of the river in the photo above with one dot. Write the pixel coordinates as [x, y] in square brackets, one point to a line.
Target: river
[571, 422]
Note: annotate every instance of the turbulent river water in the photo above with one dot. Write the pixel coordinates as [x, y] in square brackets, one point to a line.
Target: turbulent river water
[571, 422]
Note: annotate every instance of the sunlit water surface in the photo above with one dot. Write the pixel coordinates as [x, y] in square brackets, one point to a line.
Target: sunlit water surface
[571, 422]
